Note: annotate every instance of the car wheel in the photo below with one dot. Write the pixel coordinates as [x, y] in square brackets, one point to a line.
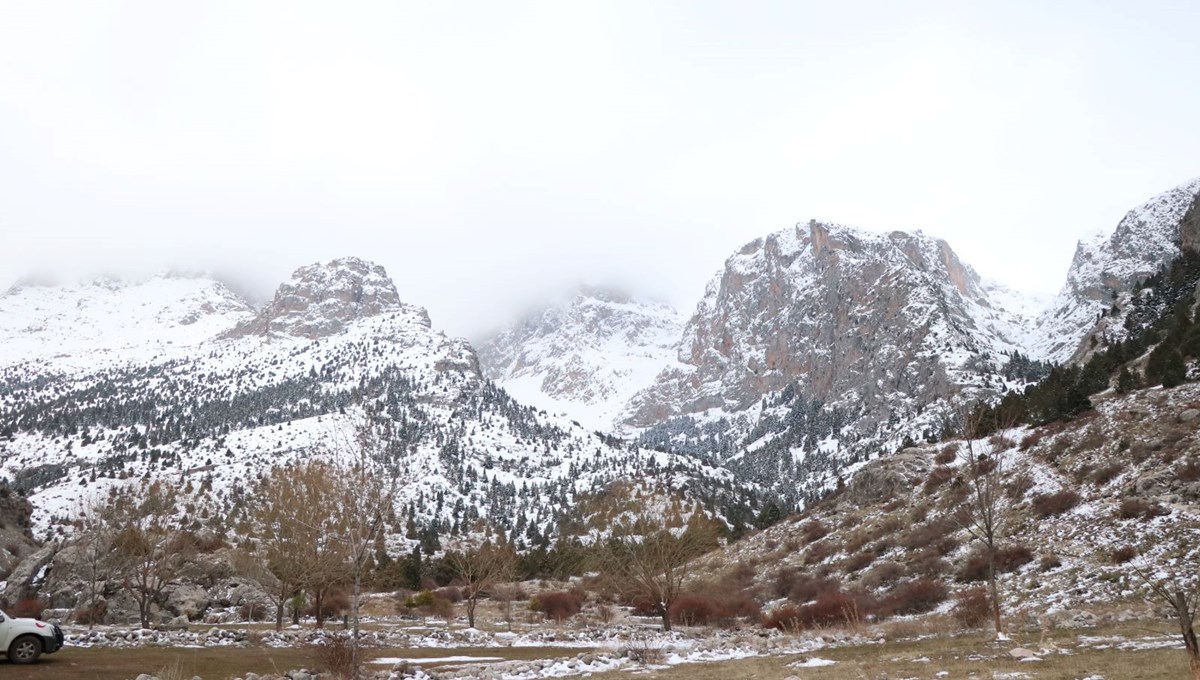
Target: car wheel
[25, 649]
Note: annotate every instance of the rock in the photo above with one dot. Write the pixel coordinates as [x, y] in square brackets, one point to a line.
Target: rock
[21, 582]
[885, 477]
[1021, 653]
[1189, 415]
[188, 600]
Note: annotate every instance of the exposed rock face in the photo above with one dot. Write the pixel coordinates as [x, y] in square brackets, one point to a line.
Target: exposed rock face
[846, 340]
[586, 357]
[847, 316]
[321, 299]
[1105, 267]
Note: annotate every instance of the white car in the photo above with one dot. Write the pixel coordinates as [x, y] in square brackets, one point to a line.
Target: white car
[24, 640]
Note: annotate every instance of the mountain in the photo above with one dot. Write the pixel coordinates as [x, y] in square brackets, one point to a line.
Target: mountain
[820, 345]
[255, 390]
[1104, 269]
[584, 358]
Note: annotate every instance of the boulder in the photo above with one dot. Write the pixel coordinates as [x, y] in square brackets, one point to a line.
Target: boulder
[26, 577]
[188, 600]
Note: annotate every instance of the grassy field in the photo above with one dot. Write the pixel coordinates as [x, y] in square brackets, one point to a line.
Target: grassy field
[106, 663]
[976, 656]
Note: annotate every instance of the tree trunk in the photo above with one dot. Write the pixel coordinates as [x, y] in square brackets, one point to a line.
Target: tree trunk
[1187, 629]
[993, 590]
[354, 613]
[666, 618]
[318, 596]
[471, 602]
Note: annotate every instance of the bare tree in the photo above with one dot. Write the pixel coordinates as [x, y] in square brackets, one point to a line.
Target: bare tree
[148, 551]
[478, 570]
[1179, 590]
[984, 515]
[363, 495]
[295, 518]
[93, 561]
[653, 563]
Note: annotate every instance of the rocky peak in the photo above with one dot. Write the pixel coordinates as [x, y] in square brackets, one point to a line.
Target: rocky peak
[585, 356]
[322, 298]
[1107, 266]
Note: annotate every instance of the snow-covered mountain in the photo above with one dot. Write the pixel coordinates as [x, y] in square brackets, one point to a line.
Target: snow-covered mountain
[1104, 269]
[585, 358]
[821, 344]
[211, 410]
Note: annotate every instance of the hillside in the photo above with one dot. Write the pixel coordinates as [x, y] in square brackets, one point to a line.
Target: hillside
[250, 391]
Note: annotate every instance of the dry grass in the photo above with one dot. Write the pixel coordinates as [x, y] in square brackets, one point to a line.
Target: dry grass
[967, 656]
[220, 663]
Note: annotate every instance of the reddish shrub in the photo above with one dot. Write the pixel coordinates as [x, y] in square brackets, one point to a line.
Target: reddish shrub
[947, 455]
[562, 605]
[1189, 471]
[884, 573]
[28, 608]
[1008, 558]
[813, 530]
[1106, 473]
[1048, 505]
[927, 562]
[1032, 439]
[1122, 554]
[858, 562]
[451, 594]
[253, 611]
[695, 610]
[818, 552]
[1132, 508]
[972, 607]
[86, 616]
[1049, 562]
[1018, 487]
[799, 586]
[829, 609]
[938, 476]
[914, 597]
[925, 534]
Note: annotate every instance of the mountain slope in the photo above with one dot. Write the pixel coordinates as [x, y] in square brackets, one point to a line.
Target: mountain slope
[1104, 269]
[820, 344]
[585, 358]
[295, 380]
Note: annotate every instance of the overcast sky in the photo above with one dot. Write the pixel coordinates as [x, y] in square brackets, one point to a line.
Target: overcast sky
[491, 154]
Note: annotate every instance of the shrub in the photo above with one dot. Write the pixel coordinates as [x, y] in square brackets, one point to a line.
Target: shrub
[972, 607]
[1018, 487]
[927, 562]
[813, 530]
[90, 615]
[1049, 505]
[858, 562]
[559, 606]
[450, 594]
[830, 608]
[925, 534]
[334, 655]
[1122, 554]
[334, 604]
[1008, 558]
[804, 587]
[253, 611]
[1049, 562]
[1132, 508]
[884, 573]
[1032, 439]
[1189, 471]
[28, 608]
[857, 539]
[13, 548]
[938, 476]
[818, 552]
[695, 610]
[1106, 473]
[915, 597]
[947, 455]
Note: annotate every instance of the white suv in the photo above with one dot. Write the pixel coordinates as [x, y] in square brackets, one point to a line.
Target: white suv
[24, 640]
